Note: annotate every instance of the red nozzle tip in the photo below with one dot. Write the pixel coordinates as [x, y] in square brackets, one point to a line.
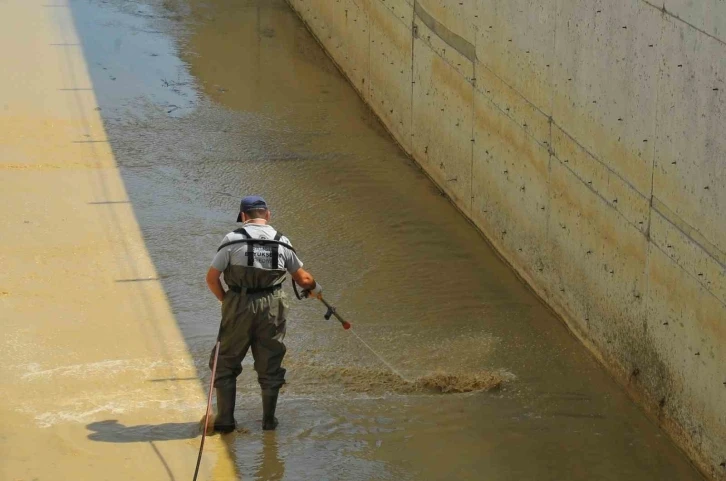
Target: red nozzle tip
[346, 325]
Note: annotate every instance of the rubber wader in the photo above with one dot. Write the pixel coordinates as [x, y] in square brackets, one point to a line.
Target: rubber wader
[269, 403]
[253, 316]
[224, 420]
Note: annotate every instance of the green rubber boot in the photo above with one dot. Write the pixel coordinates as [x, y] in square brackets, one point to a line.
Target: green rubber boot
[224, 421]
[269, 404]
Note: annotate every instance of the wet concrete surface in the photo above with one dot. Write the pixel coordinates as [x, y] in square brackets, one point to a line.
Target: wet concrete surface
[205, 101]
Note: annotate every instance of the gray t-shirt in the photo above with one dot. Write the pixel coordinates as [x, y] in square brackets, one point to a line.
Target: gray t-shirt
[236, 254]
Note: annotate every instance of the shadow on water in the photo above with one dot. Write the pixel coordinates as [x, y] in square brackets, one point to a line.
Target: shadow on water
[270, 465]
[206, 100]
[112, 431]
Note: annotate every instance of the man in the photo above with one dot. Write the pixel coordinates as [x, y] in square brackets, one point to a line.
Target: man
[254, 260]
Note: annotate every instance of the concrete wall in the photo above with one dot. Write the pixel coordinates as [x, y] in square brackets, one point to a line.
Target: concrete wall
[587, 140]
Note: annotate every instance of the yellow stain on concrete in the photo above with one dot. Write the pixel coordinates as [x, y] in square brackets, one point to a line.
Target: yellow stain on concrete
[82, 354]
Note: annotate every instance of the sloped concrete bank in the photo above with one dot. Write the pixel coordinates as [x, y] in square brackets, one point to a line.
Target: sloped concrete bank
[90, 352]
[585, 140]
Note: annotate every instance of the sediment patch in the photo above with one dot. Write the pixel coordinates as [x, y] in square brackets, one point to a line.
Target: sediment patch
[374, 380]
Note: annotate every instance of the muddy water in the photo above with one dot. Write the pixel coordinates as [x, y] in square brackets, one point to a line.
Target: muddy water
[205, 101]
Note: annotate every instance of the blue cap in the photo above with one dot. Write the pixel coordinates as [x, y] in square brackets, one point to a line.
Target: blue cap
[251, 202]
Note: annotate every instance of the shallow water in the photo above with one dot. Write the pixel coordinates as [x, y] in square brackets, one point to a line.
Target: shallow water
[205, 101]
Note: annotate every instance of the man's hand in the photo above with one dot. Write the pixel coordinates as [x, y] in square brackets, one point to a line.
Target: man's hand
[314, 293]
[214, 284]
[311, 289]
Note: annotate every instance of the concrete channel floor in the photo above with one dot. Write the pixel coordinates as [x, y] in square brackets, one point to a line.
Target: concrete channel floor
[129, 131]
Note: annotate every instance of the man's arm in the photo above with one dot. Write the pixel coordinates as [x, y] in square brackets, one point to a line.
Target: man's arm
[215, 284]
[306, 281]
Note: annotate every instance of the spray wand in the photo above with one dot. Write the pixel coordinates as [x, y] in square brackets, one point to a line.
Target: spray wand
[332, 312]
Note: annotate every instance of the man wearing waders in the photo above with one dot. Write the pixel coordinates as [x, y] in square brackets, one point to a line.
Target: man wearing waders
[254, 261]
